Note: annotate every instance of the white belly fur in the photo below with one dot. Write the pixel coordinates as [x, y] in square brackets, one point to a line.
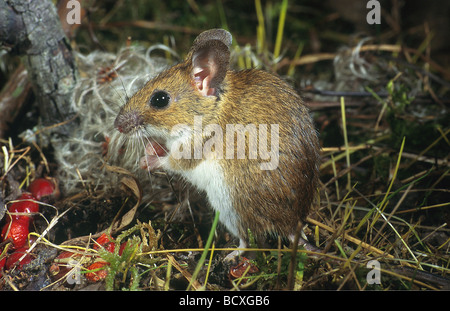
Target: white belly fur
[208, 176]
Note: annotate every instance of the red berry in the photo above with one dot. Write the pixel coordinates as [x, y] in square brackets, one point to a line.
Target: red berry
[103, 239]
[14, 257]
[25, 220]
[2, 264]
[67, 254]
[244, 266]
[99, 275]
[25, 206]
[41, 187]
[122, 247]
[106, 241]
[110, 247]
[17, 231]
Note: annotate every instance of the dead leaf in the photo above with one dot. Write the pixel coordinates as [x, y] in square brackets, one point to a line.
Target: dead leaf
[129, 183]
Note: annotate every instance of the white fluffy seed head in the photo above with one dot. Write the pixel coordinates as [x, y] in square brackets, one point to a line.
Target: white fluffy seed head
[97, 103]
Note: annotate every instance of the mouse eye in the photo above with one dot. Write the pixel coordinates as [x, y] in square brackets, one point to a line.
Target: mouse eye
[160, 99]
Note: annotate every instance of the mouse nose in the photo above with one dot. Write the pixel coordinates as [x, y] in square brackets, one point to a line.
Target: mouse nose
[128, 121]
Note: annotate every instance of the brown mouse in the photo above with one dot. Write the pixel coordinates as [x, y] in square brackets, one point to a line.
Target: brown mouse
[245, 138]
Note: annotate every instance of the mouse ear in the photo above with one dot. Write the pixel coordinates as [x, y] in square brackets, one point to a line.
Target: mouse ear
[214, 34]
[210, 57]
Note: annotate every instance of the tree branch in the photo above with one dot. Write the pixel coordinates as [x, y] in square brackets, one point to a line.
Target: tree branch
[32, 29]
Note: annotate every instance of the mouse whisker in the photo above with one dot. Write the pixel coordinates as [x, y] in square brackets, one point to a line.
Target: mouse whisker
[142, 139]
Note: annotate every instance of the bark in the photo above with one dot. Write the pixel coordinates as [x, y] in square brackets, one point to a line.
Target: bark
[32, 29]
[13, 97]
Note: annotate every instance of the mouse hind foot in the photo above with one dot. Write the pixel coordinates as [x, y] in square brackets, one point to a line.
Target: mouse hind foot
[234, 255]
[302, 241]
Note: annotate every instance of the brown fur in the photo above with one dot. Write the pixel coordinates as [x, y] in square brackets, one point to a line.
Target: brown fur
[264, 200]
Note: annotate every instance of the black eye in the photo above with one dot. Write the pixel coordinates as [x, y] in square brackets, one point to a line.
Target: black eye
[160, 99]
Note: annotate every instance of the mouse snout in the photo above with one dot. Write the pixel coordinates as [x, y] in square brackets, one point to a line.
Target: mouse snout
[127, 122]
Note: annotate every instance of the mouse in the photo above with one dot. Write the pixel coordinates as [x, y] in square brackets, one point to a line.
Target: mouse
[245, 138]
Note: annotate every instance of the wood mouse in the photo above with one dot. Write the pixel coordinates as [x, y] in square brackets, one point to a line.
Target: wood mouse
[245, 138]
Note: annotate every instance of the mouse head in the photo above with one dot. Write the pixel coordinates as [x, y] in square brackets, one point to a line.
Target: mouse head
[181, 92]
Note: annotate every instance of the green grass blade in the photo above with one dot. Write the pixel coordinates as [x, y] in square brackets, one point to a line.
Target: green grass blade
[280, 31]
[205, 251]
[260, 31]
